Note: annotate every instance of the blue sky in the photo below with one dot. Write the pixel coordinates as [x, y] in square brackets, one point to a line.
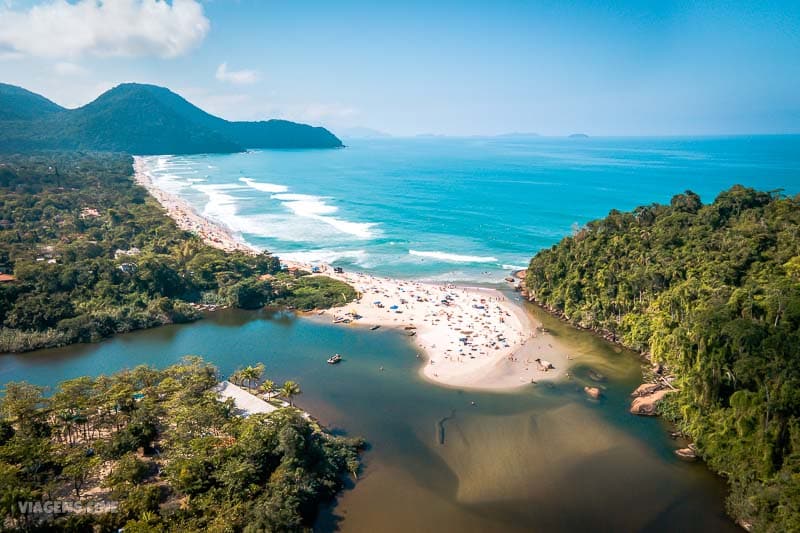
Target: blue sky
[457, 68]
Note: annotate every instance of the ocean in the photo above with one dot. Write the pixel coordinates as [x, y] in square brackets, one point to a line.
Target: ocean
[458, 209]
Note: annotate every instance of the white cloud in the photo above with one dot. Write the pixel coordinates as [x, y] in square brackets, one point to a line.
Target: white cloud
[238, 77]
[65, 68]
[58, 29]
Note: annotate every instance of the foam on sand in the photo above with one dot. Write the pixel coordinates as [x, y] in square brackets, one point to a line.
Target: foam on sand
[453, 258]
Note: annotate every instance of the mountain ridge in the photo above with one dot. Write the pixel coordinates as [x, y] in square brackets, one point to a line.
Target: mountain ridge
[140, 119]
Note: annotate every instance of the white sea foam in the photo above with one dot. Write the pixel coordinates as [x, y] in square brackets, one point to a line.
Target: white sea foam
[454, 258]
[306, 205]
[314, 207]
[167, 172]
[263, 186]
[221, 205]
[358, 257]
[513, 267]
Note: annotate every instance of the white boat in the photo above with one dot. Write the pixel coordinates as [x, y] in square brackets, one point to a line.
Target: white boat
[332, 360]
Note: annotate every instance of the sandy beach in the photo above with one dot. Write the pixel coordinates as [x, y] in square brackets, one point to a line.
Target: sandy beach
[186, 217]
[469, 337]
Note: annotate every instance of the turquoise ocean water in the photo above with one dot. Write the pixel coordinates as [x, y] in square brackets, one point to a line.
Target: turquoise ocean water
[467, 209]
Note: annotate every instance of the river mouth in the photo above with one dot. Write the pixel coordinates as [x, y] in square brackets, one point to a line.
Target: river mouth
[537, 458]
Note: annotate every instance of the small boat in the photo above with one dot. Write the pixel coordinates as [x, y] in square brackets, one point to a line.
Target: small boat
[332, 360]
[373, 328]
[412, 333]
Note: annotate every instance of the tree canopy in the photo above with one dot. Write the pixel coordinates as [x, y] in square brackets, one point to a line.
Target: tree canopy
[165, 453]
[93, 254]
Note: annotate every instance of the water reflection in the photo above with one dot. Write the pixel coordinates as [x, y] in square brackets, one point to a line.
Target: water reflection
[541, 458]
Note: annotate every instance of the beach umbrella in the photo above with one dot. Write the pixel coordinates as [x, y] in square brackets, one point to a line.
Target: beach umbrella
[393, 307]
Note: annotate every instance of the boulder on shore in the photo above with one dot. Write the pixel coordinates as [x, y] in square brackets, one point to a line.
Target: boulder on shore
[646, 405]
[687, 454]
[593, 392]
[645, 389]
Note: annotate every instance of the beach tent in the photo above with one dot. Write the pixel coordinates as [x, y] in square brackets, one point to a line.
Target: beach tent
[393, 307]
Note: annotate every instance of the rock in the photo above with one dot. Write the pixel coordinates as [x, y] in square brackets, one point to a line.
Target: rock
[658, 368]
[646, 405]
[645, 389]
[593, 392]
[687, 454]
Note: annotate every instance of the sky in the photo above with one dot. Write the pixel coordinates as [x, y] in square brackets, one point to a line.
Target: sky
[622, 67]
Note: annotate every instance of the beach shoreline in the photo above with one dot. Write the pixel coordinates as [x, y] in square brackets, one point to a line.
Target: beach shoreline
[469, 337]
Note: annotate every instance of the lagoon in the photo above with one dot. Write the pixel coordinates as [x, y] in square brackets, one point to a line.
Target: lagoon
[541, 458]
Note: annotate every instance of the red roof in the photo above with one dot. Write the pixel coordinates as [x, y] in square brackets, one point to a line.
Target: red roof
[7, 277]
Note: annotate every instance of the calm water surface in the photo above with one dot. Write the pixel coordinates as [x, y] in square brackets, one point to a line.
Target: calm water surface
[543, 458]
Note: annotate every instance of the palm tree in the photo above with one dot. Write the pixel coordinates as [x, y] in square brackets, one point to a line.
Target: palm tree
[250, 374]
[289, 390]
[258, 372]
[267, 387]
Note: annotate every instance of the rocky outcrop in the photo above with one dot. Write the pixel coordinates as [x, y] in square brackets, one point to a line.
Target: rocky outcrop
[645, 389]
[593, 392]
[646, 405]
[688, 454]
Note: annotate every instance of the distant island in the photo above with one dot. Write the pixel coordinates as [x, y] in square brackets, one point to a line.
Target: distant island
[140, 119]
[360, 132]
[578, 136]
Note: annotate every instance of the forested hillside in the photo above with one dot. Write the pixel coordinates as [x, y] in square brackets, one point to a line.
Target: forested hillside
[140, 119]
[86, 253]
[713, 292]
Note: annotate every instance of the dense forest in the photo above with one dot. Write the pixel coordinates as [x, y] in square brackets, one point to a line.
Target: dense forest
[140, 119]
[712, 292]
[155, 450]
[93, 254]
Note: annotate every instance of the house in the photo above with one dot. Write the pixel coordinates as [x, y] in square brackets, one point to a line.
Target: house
[127, 253]
[7, 278]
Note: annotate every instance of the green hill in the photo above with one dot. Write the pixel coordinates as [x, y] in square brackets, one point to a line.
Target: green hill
[17, 103]
[140, 119]
[713, 292]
